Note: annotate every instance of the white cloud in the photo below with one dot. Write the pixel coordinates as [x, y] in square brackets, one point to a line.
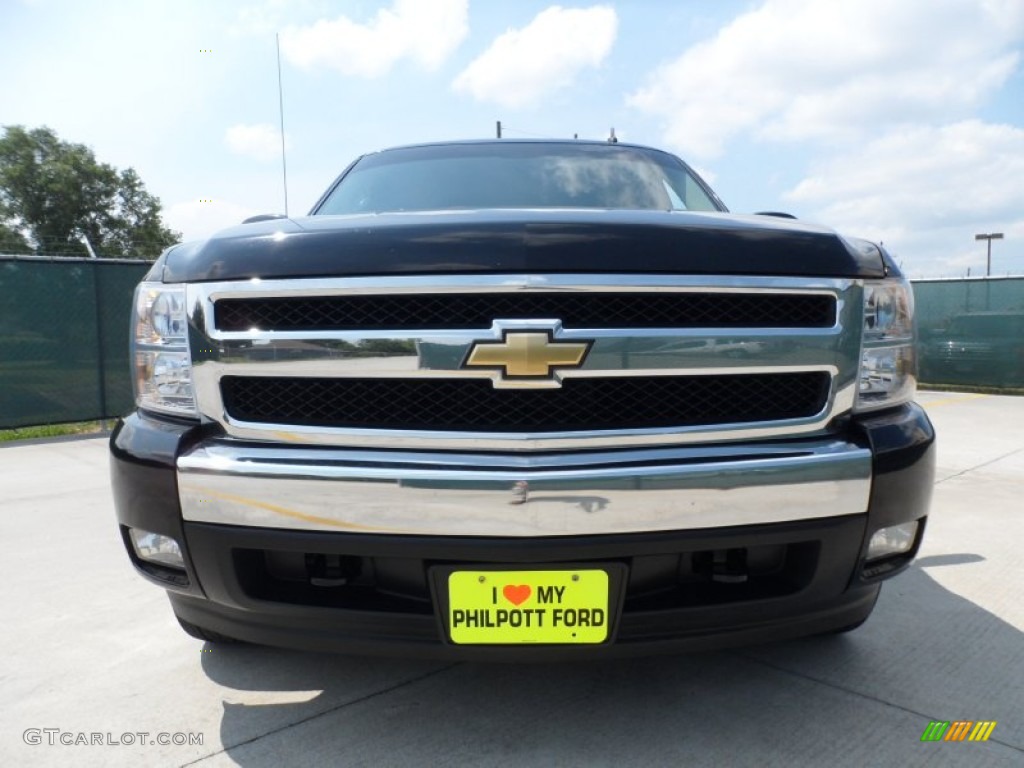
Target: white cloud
[522, 66]
[269, 16]
[829, 69]
[199, 219]
[425, 31]
[260, 142]
[925, 191]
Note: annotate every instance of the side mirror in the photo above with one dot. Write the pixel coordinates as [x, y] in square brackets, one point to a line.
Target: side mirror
[264, 217]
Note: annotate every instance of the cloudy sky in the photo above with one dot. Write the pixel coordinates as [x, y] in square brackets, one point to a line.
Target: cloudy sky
[897, 121]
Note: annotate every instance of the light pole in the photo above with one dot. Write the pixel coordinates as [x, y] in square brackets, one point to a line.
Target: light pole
[989, 237]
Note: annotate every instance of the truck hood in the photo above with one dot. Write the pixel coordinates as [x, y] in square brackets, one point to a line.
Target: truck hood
[533, 241]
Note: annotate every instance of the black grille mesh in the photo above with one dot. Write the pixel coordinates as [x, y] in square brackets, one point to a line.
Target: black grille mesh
[581, 310]
[474, 405]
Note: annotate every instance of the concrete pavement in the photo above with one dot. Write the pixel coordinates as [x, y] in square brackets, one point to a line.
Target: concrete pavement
[89, 648]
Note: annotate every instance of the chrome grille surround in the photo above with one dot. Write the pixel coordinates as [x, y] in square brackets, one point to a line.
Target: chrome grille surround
[421, 354]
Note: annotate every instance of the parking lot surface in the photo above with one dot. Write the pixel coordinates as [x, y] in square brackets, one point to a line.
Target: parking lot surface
[92, 653]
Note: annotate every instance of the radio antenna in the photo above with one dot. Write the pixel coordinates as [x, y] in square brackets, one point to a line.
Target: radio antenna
[280, 102]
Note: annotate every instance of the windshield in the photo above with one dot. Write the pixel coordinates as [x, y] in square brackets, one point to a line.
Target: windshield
[517, 175]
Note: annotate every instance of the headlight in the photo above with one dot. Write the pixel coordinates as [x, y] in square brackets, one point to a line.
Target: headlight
[888, 311]
[163, 365]
[888, 365]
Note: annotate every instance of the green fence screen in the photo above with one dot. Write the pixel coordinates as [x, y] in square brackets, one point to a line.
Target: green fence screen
[64, 336]
[971, 331]
[64, 339]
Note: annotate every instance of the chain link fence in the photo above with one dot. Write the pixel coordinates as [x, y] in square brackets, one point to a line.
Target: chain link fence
[64, 339]
[971, 331]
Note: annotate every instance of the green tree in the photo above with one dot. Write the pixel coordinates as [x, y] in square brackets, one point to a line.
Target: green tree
[12, 241]
[58, 193]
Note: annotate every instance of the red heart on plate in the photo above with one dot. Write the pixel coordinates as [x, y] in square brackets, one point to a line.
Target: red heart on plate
[517, 595]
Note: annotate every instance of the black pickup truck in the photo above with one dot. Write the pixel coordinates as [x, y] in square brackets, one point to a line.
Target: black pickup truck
[522, 400]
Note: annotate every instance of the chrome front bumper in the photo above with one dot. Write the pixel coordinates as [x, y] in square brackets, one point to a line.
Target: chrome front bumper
[568, 494]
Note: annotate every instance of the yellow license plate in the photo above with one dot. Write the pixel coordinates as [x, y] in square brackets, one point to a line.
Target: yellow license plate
[505, 607]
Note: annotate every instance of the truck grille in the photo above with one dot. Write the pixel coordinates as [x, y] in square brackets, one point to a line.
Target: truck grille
[479, 310]
[382, 361]
[473, 405]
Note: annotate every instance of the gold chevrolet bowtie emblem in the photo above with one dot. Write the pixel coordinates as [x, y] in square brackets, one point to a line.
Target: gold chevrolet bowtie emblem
[527, 355]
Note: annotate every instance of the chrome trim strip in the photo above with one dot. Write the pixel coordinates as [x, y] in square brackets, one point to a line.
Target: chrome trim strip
[607, 283]
[564, 495]
[500, 324]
